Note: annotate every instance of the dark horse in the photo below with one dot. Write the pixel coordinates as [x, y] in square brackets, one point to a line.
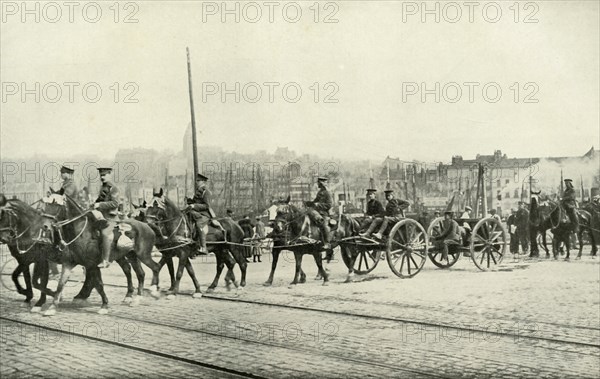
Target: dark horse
[556, 220]
[589, 221]
[289, 229]
[20, 224]
[348, 227]
[173, 239]
[80, 246]
[537, 213]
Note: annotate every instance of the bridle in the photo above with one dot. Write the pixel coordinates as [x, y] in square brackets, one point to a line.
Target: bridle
[158, 221]
[58, 224]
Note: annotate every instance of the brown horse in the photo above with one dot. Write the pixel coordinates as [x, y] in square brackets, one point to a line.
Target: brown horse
[78, 240]
[289, 228]
[174, 239]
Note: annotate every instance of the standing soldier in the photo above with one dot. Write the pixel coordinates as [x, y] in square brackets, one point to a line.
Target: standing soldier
[374, 210]
[319, 211]
[107, 204]
[522, 222]
[569, 202]
[200, 210]
[394, 211]
[511, 223]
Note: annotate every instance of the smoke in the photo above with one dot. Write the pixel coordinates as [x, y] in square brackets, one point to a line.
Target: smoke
[547, 174]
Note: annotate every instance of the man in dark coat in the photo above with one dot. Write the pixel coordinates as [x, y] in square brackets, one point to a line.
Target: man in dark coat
[450, 234]
[374, 209]
[394, 212]
[511, 223]
[68, 186]
[107, 204]
[318, 211]
[200, 210]
[569, 202]
[260, 234]
[522, 222]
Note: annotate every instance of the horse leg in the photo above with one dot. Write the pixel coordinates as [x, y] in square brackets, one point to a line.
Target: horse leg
[127, 271]
[220, 265]
[144, 254]
[168, 260]
[243, 266]
[183, 260]
[319, 262]
[545, 244]
[230, 276]
[67, 268]
[139, 273]
[275, 255]
[15, 278]
[298, 257]
[568, 246]
[86, 289]
[40, 280]
[97, 276]
[190, 270]
[580, 238]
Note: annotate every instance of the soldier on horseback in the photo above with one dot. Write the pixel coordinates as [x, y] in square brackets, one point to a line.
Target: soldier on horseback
[68, 186]
[318, 211]
[200, 210]
[107, 204]
[569, 202]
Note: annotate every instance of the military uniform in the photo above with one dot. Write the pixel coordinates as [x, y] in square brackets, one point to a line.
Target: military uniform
[394, 212]
[107, 203]
[201, 212]
[450, 235]
[569, 202]
[319, 211]
[522, 223]
[374, 210]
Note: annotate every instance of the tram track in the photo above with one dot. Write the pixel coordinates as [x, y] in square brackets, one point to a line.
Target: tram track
[401, 320]
[160, 354]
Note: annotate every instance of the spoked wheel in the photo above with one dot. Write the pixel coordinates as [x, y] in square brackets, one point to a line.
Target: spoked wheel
[488, 243]
[366, 261]
[407, 248]
[436, 250]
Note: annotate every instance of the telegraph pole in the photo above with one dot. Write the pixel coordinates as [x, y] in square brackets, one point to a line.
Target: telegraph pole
[194, 142]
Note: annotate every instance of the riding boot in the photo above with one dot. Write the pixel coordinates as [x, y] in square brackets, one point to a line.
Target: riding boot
[201, 240]
[326, 235]
[106, 246]
[574, 220]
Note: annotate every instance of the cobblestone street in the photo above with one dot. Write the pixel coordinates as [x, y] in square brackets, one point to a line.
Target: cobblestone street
[528, 319]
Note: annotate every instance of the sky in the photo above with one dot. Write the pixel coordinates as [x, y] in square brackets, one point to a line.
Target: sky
[371, 68]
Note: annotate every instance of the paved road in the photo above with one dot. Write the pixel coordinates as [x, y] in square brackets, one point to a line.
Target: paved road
[532, 319]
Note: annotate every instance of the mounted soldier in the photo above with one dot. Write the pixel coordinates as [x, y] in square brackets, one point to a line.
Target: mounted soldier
[200, 210]
[106, 205]
[318, 211]
[68, 186]
[374, 209]
[569, 202]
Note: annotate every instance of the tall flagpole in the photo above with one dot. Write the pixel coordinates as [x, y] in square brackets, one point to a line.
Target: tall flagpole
[194, 143]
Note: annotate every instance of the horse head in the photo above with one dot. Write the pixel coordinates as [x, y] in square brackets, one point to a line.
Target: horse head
[8, 222]
[286, 214]
[163, 214]
[53, 210]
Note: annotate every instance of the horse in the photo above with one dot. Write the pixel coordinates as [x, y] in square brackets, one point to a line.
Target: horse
[173, 233]
[347, 227]
[19, 225]
[71, 222]
[589, 220]
[537, 226]
[556, 221]
[288, 229]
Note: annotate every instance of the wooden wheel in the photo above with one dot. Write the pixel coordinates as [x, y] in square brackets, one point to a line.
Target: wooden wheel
[407, 248]
[435, 251]
[488, 243]
[366, 261]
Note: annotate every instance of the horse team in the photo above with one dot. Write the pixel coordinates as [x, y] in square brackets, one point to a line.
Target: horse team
[74, 241]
